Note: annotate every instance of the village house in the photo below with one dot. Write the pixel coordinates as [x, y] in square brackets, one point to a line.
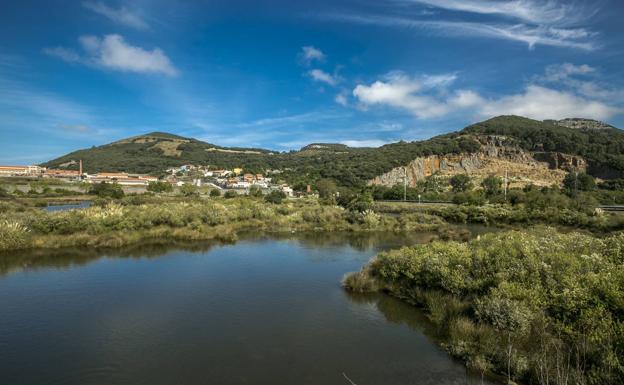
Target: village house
[61, 174]
[21, 170]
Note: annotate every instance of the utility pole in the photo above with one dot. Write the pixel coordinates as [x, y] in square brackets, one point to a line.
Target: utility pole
[505, 187]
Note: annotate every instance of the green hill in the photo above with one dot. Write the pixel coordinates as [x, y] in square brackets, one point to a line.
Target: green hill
[603, 148]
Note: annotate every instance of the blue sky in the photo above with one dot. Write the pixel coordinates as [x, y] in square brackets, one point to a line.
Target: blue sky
[282, 74]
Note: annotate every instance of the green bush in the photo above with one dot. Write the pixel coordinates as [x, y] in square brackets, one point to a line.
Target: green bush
[159, 187]
[229, 194]
[542, 298]
[275, 196]
[107, 190]
[215, 192]
[461, 183]
[188, 190]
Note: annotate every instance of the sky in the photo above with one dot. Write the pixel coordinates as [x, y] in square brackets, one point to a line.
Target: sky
[281, 74]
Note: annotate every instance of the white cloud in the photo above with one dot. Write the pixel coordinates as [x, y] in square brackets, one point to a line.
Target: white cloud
[113, 52]
[365, 143]
[416, 95]
[541, 103]
[323, 77]
[121, 15]
[429, 97]
[311, 54]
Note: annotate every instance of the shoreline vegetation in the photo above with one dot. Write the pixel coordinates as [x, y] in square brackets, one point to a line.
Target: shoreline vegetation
[134, 219]
[535, 306]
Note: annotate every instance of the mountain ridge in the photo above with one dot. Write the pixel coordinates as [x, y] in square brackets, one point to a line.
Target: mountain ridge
[154, 152]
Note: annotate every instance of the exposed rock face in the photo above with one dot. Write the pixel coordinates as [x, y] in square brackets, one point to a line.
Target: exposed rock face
[498, 155]
[583, 124]
[422, 167]
[559, 161]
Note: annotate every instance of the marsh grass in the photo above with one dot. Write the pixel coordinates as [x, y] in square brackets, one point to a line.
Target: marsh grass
[134, 218]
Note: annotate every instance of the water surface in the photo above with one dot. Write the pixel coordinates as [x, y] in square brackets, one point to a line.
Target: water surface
[261, 311]
[67, 206]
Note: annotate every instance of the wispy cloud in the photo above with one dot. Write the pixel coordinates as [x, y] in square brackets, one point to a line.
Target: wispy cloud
[532, 11]
[122, 15]
[324, 77]
[76, 128]
[310, 54]
[113, 52]
[296, 119]
[578, 38]
[548, 23]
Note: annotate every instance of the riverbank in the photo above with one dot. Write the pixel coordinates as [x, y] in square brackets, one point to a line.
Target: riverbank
[142, 218]
[536, 306]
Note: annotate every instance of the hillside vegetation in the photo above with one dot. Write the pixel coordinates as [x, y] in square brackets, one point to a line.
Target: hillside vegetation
[353, 167]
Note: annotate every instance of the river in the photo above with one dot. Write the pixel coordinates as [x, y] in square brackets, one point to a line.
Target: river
[265, 310]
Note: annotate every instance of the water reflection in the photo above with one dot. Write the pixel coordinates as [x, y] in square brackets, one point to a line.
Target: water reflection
[266, 310]
[361, 241]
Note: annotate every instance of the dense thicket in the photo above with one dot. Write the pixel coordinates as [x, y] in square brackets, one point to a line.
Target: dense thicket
[540, 306]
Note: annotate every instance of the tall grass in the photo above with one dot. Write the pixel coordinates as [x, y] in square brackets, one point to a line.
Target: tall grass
[115, 223]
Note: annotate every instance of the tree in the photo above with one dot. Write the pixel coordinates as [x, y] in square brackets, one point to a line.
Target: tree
[575, 181]
[215, 192]
[361, 202]
[461, 183]
[188, 190]
[107, 190]
[492, 185]
[255, 191]
[326, 188]
[159, 187]
[275, 196]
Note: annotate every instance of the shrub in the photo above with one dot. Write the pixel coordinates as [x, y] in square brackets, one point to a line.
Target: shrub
[461, 183]
[230, 194]
[159, 187]
[107, 190]
[188, 190]
[492, 185]
[275, 196]
[13, 235]
[215, 192]
[255, 191]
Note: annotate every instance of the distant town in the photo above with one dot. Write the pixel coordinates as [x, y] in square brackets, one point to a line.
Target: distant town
[196, 175]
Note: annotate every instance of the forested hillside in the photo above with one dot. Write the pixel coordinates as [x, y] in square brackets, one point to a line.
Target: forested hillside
[152, 153]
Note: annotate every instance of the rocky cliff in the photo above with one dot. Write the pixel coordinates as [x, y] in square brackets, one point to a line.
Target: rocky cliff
[498, 155]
